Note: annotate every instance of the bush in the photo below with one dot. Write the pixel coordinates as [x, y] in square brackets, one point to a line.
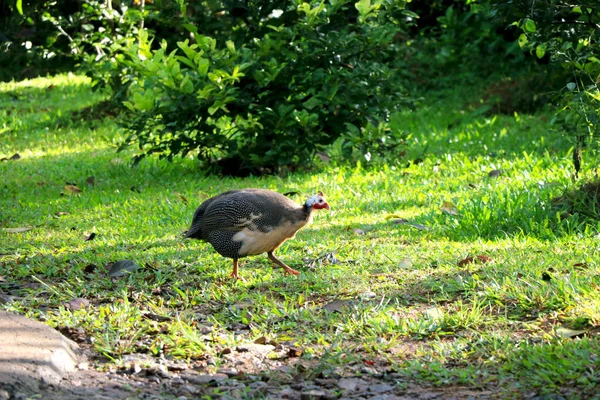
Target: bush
[566, 33]
[315, 74]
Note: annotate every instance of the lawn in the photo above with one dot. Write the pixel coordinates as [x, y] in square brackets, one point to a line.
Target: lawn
[448, 266]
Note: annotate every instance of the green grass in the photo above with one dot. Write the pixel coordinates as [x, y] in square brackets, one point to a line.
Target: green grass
[436, 321]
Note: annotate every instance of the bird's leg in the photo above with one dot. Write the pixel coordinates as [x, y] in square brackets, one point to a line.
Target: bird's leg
[286, 269]
[234, 274]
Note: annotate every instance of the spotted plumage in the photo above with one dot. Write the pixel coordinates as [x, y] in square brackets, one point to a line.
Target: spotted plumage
[241, 223]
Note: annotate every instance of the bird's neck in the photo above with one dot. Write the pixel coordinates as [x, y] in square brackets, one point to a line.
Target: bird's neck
[307, 210]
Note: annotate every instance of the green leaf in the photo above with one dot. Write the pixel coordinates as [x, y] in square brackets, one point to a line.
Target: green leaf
[230, 46]
[311, 103]
[363, 7]
[19, 6]
[523, 40]
[529, 26]
[122, 268]
[187, 86]
[203, 65]
[540, 51]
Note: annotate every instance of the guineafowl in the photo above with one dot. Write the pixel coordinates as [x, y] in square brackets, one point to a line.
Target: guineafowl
[241, 223]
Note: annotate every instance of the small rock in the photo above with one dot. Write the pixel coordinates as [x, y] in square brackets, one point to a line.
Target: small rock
[351, 384]
[230, 372]
[189, 388]
[287, 393]
[260, 349]
[258, 389]
[203, 379]
[380, 388]
[83, 366]
[177, 381]
[312, 395]
[182, 398]
[4, 395]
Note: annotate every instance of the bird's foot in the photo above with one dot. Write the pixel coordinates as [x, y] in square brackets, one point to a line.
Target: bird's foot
[287, 270]
[234, 275]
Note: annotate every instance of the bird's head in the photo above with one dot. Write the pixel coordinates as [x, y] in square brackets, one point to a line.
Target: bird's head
[317, 202]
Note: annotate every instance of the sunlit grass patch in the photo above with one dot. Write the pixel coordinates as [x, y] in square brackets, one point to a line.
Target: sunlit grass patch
[437, 269]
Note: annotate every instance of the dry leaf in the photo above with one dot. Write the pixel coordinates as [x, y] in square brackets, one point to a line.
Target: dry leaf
[405, 263]
[156, 317]
[91, 236]
[61, 213]
[566, 333]
[183, 198]
[76, 304]
[337, 305]
[581, 265]
[17, 230]
[72, 189]
[90, 268]
[449, 208]
[419, 226]
[479, 259]
[294, 352]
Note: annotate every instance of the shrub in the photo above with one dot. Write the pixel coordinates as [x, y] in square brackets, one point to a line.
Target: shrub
[316, 72]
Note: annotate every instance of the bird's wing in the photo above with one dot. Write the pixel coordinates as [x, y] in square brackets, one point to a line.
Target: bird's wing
[243, 210]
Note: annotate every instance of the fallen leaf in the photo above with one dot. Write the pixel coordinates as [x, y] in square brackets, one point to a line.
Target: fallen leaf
[479, 259]
[17, 230]
[566, 333]
[495, 173]
[337, 305]
[121, 268]
[434, 313]
[91, 181]
[323, 157]
[419, 226]
[390, 216]
[405, 263]
[61, 213]
[546, 276]
[72, 189]
[294, 352]
[91, 236]
[77, 304]
[449, 208]
[90, 268]
[156, 317]
[581, 265]
[183, 198]
[261, 340]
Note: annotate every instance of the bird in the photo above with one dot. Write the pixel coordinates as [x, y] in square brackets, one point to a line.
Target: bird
[247, 222]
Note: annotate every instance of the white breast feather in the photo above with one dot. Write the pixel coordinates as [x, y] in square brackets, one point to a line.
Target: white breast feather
[257, 242]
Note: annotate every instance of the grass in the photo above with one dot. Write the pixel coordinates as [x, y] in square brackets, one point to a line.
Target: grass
[409, 304]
